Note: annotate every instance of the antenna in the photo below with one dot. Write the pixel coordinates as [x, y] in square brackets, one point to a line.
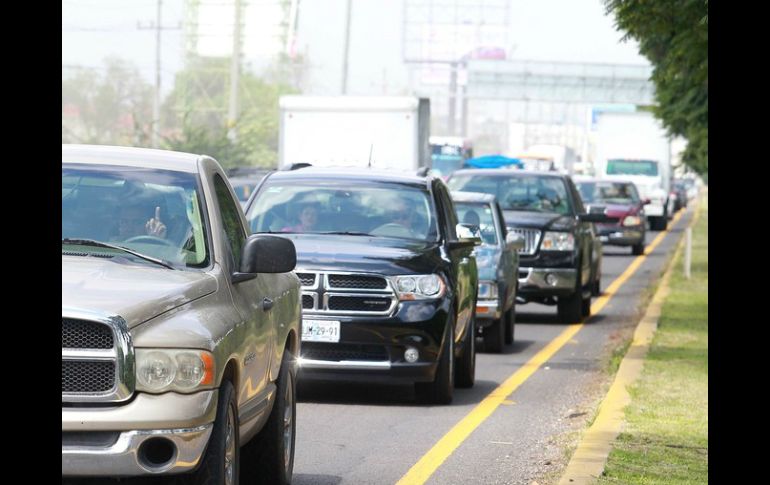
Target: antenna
[371, 147]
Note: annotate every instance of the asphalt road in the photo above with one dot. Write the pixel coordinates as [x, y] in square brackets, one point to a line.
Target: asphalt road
[365, 434]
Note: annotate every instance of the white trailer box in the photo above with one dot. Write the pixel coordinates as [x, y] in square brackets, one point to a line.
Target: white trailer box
[384, 132]
[634, 146]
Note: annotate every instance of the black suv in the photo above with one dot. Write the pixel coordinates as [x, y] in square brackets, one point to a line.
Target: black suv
[388, 277]
[561, 261]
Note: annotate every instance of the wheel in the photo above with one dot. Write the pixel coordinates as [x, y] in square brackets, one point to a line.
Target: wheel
[585, 306]
[149, 240]
[570, 308]
[637, 249]
[269, 457]
[510, 327]
[440, 390]
[596, 286]
[494, 336]
[220, 463]
[465, 369]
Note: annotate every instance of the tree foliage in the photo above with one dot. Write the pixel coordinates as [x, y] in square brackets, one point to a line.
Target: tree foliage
[673, 35]
[111, 106]
[197, 110]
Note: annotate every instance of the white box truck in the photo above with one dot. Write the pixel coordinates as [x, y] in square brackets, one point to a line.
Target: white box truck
[384, 132]
[634, 146]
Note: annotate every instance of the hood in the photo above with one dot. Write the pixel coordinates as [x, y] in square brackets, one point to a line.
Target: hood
[135, 292]
[383, 255]
[487, 261]
[539, 220]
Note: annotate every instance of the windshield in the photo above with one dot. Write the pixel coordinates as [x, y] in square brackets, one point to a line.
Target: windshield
[608, 192]
[632, 167]
[480, 217]
[519, 191]
[153, 212]
[376, 209]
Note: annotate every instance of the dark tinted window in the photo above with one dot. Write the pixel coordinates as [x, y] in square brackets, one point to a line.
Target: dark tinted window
[519, 191]
[231, 220]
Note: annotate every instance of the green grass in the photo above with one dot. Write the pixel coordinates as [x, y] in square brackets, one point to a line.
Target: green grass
[665, 440]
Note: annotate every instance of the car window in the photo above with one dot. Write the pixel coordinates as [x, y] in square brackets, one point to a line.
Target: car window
[480, 217]
[235, 234]
[609, 192]
[115, 204]
[337, 206]
[520, 191]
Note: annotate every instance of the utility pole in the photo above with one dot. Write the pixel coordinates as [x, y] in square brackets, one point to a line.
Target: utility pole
[347, 48]
[235, 69]
[158, 27]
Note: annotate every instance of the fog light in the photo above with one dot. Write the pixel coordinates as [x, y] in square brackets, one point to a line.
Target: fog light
[550, 278]
[411, 355]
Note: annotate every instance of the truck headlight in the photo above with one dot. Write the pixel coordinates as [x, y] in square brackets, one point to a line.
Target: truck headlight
[632, 221]
[419, 287]
[558, 241]
[487, 290]
[162, 370]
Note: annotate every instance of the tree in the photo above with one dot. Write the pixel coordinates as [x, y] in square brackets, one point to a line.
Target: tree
[106, 106]
[674, 37]
[197, 108]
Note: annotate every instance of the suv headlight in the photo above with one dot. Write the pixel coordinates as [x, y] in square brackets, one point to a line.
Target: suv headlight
[419, 287]
[632, 221]
[487, 290]
[162, 370]
[558, 241]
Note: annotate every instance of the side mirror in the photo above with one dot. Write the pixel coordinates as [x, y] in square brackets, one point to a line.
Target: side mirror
[597, 217]
[514, 241]
[646, 201]
[465, 238]
[265, 254]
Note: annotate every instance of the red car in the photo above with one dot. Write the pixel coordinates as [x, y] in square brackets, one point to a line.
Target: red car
[619, 200]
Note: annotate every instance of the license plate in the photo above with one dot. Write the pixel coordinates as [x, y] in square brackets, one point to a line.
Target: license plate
[320, 330]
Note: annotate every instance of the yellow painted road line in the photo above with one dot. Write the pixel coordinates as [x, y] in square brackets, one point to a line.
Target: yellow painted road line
[430, 461]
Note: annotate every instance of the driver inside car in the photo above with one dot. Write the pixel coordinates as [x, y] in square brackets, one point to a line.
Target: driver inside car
[133, 221]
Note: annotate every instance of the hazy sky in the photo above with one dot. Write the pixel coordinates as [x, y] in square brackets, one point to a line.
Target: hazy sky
[556, 30]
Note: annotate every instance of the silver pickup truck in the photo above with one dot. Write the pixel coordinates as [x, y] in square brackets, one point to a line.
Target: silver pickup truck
[180, 330]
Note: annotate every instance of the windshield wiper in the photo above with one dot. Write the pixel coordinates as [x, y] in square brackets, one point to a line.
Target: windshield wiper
[346, 233]
[100, 244]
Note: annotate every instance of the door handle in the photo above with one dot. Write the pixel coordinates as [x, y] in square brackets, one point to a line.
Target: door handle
[267, 304]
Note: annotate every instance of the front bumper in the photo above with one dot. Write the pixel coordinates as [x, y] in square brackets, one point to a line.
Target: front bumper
[621, 236]
[105, 441]
[371, 349]
[532, 281]
[487, 311]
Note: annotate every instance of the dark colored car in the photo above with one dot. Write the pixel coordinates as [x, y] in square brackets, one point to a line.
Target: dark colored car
[244, 180]
[679, 193]
[497, 260]
[561, 261]
[388, 277]
[621, 201]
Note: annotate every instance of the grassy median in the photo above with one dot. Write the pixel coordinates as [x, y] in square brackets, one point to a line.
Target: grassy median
[665, 440]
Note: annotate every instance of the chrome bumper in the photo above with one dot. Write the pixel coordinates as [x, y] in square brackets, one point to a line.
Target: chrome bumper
[123, 458]
[487, 309]
[535, 277]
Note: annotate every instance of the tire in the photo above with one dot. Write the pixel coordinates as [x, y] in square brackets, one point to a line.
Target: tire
[659, 223]
[269, 457]
[220, 464]
[465, 369]
[637, 249]
[440, 390]
[510, 326]
[585, 306]
[570, 308]
[494, 336]
[596, 286]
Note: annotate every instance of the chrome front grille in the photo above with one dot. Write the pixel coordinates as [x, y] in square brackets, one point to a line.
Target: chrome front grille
[531, 239]
[97, 358]
[346, 293]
